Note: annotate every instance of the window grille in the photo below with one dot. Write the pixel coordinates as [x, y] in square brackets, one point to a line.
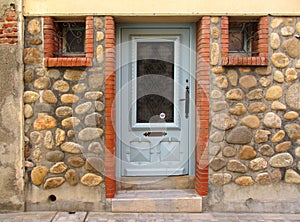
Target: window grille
[243, 37]
[70, 37]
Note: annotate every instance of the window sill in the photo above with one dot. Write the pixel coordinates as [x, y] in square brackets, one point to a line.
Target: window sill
[245, 61]
[68, 62]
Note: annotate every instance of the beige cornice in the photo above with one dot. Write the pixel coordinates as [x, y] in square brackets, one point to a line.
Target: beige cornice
[161, 8]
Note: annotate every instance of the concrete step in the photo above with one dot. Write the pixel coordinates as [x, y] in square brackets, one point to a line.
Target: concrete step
[163, 201]
[156, 183]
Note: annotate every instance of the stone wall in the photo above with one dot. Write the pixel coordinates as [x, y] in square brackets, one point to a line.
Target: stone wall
[64, 127]
[11, 114]
[255, 131]
[254, 146]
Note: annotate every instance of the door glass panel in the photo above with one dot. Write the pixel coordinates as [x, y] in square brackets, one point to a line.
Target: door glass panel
[155, 82]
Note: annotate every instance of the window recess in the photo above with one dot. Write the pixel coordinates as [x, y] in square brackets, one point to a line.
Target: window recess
[71, 38]
[243, 37]
[68, 42]
[244, 42]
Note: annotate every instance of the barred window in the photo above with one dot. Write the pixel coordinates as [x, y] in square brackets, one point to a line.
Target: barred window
[68, 43]
[243, 37]
[71, 38]
[245, 41]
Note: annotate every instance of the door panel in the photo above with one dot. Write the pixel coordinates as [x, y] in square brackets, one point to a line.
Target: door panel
[154, 85]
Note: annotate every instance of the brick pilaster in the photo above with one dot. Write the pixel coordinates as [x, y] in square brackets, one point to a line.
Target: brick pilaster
[110, 92]
[202, 104]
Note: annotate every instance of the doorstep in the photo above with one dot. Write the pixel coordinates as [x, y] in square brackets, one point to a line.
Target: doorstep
[162, 201]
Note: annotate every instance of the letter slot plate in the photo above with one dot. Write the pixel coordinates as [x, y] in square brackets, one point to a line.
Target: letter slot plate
[152, 134]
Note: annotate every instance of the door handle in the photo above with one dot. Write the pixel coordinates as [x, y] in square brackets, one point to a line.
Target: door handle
[187, 102]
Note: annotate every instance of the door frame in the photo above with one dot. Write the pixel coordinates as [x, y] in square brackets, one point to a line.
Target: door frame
[192, 118]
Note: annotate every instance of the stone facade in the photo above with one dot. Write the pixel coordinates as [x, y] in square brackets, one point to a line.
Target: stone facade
[253, 135]
[247, 156]
[254, 116]
[64, 126]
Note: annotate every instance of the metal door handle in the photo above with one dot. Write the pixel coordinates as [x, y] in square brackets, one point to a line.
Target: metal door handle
[187, 102]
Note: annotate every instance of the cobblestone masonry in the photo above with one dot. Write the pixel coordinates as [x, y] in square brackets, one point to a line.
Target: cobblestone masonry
[64, 122]
[255, 134]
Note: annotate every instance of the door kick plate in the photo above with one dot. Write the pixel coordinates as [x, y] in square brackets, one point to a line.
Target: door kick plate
[155, 134]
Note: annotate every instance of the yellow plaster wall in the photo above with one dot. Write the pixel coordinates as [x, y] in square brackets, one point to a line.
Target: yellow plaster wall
[160, 7]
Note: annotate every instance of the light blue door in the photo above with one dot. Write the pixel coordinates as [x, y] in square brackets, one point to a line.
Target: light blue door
[154, 97]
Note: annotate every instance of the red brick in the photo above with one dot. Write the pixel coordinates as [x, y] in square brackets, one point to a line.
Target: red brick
[52, 62]
[89, 55]
[49, 41]
[46, 62]
[110, 41]
[264, 55]
[110, 27]
[48, 46]
[109, 21]
[64, 61]
[89, 62]
[48, 27]
[9, 25]
[202, 75]
[59, 62]
[206, 26]
[89, 26]
[110, 45]
[110, 36]
[11, 35]
[264, 61]
[89, 41]
[52, 33]
[240, 60]
[69, 62]
[48, 20]
[257, 60]
[11, 16]
[89, 32]
[90, 36]
[89, 23]
[109, 98]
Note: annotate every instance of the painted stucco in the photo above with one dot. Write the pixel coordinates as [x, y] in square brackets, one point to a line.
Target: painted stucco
[161, 7]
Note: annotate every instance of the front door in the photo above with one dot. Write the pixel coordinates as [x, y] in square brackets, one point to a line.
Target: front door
[155, 97]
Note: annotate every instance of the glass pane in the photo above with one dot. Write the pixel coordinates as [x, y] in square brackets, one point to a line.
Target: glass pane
[75, 37]
[155, 84]
[236, 40]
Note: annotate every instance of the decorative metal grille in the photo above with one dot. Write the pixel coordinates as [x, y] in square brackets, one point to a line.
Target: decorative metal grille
[243, 37]
[71, 38]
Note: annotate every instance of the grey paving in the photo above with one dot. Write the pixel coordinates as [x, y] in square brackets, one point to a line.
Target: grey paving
[146, 217]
